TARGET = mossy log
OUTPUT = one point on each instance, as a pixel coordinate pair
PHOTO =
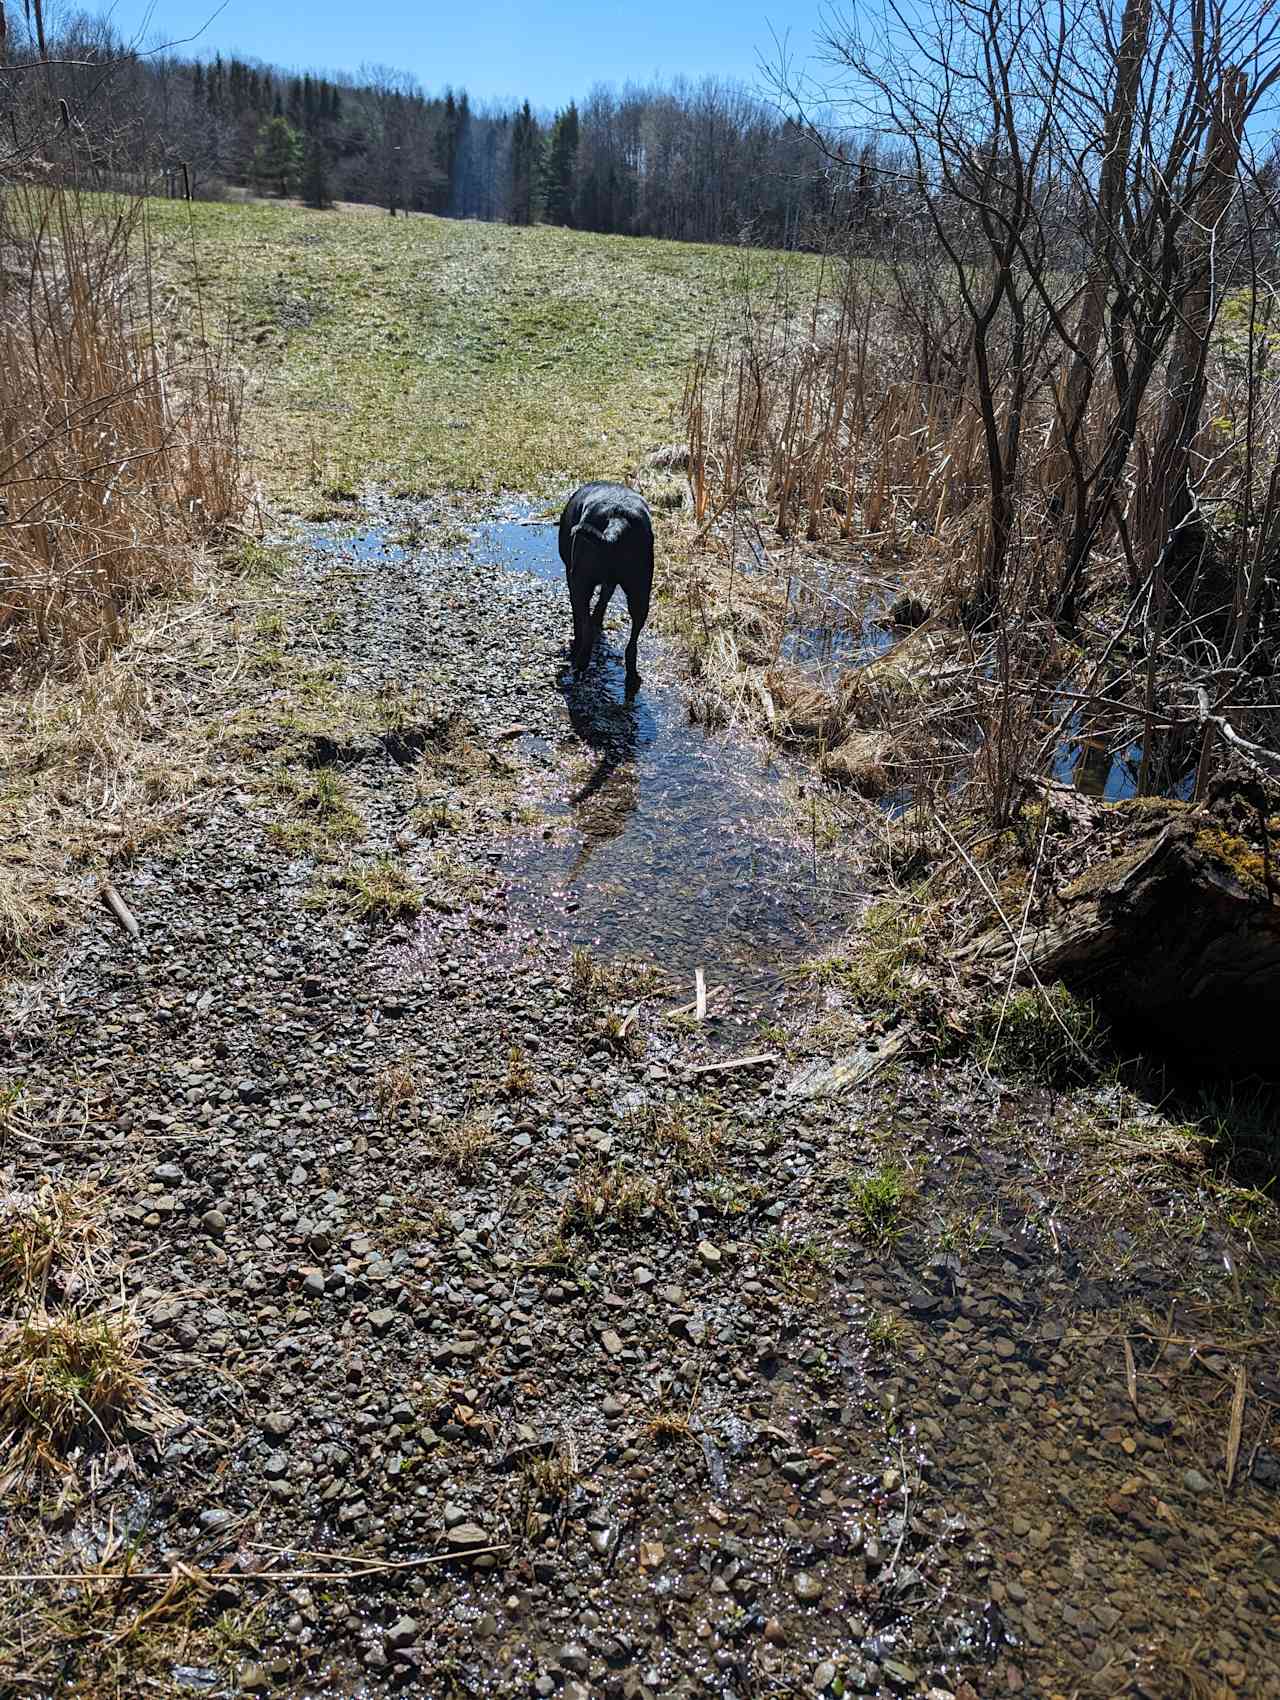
(1176, 933)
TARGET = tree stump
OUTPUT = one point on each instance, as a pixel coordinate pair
(1175, 933)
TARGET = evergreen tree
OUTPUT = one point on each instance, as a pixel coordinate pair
(526, 159)
(315, 174)
(278, 153)
(560, 172)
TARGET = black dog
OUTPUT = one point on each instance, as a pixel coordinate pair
(606, 540)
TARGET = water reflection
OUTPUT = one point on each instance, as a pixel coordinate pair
(610, 730)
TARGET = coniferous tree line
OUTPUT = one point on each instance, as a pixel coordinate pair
(699, 161)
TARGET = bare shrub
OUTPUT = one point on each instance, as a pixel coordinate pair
(1044, 390)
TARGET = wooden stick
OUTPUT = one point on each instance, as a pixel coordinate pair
(689, 1008)
(1131, 1375)
(120, 909)
(1236, 1424)
(757, 1061)
(700, 990)
(363, 1567)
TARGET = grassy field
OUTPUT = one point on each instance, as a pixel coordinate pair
(427, 353)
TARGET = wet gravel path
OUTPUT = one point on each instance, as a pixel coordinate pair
(610, 1334)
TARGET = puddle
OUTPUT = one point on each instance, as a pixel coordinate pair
(372, 545)
(1093, 768)
(827, 633)
(677, 844)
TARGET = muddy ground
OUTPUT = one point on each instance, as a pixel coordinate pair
(611, 1376)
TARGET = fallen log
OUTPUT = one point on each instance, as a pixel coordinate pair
(1173, 931)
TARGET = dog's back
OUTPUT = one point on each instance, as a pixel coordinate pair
(617, 517)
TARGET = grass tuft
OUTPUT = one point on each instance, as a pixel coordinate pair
(610, 1198)
(396, 1089)
(65, 1381)
(520, 1081)
(1048, 1035)
(798, 1264)
(374, 891)
(46, 1234)
(879, 1202)
(884, 970)
(465, 1148)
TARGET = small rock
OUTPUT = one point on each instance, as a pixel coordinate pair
(824, 1675)
(403, 1632)
(213, 1222)
(313, 1285)
(806, 1588)
(612, 1342)
(572, 1657)
(381, 1320)
(774, 1633)
(1194, 1482)
(453, 1515)
(277, 1424)
(711, 1255)
(463, 1536)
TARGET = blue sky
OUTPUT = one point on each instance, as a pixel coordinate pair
(547, 50)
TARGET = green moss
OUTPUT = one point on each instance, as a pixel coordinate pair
(1168, 806)
(1233, 853)
(1103, 874)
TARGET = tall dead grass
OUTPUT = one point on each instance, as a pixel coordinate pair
(120, 456)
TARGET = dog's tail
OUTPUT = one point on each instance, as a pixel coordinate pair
(613, 529)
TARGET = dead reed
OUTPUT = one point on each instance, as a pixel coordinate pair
(120, 451)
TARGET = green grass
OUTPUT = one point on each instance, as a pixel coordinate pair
(1047, 1035)
(325, 816)
(883, 970)
(879, 1202)
(431, 353)
(797, 1263)
(375, 891)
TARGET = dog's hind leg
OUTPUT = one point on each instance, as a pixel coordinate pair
(580, 588)
(638, 608)
(602, 604)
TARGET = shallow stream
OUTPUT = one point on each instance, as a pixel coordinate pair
(685, 847)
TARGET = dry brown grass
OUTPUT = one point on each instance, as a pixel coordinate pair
(65, 1380)
(119, 457)
(824, 421)
(520, 1080)
(397, 1090)
(611, 1198)
(48, 1235)
(465, 1148)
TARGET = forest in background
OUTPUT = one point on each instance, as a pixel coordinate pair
(702, 161)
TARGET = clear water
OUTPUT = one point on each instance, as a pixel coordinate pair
(679, 845)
